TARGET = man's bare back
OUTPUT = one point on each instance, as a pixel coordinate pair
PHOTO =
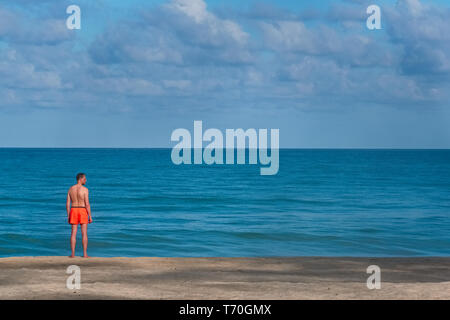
(78, 194)
(79, 212)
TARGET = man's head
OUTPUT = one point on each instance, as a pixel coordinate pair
(81, 178)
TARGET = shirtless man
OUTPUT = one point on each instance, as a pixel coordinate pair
(79, 212)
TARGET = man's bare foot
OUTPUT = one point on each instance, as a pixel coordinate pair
(72, 256)
(86, 256)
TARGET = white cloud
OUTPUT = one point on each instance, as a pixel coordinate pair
(214, 29)
(195, 9)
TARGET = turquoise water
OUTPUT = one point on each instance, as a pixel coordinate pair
(321, 203)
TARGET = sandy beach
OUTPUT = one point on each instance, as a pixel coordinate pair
(224, 278)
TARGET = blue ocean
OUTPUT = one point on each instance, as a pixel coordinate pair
(321, 203)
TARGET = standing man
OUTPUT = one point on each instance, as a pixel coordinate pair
(79, 212)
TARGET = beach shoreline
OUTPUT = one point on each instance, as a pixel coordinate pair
(278, 278)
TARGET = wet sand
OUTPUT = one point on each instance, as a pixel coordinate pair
(224, 278)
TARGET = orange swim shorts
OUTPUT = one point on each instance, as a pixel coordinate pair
(78, 215)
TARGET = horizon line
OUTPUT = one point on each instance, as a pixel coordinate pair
(284, 148)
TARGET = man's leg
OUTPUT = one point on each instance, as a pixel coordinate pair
(73, 239)
(85, 239)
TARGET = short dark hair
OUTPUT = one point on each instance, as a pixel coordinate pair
(80, 176)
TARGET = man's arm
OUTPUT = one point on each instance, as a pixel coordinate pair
(68, 204)
(88, 205)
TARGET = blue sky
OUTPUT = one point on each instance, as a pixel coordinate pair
(137, 70)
